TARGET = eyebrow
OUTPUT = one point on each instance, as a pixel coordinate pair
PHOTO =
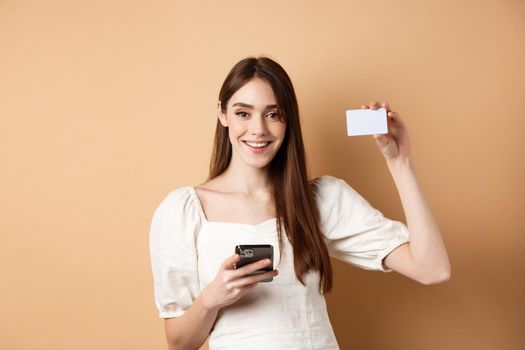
(245, 105)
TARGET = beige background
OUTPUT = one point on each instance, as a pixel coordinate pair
(106, 106)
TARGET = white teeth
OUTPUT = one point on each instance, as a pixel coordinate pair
(257, 145)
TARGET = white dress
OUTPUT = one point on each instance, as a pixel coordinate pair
(187, 250)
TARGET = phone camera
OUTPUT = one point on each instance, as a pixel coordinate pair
(246, 253)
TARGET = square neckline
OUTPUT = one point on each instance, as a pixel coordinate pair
(200, 209)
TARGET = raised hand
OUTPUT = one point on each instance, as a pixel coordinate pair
(395, 144)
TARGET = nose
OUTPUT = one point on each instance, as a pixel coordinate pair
(258, 125)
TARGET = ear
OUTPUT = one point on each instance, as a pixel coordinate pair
(222, 116)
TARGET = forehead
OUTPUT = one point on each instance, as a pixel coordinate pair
(256, 92)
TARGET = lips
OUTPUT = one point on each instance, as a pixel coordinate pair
(257, 147)
(256, 144)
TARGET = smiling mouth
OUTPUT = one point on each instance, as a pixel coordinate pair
(257, 147)
(257, 144)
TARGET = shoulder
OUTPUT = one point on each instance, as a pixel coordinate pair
(177, 195)
(175, 217)
(328, 185)
(330, 191)
(178, 201)
(326, 181)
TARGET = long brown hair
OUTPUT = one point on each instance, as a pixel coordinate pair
(292, 193)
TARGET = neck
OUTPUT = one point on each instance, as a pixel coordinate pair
(245, 179)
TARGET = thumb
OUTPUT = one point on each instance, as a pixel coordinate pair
(381, 139)
(229, 263)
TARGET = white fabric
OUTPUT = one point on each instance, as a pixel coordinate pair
(187, 250)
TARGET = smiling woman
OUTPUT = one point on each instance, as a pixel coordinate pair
(258, 192)
(253, 122)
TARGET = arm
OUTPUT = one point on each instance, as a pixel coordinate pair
(424, 258)
(190, 330)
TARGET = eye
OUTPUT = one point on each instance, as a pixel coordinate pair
(274, 115)
(241, 114)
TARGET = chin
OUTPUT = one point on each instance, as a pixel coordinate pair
(258, 165)
(255, 161)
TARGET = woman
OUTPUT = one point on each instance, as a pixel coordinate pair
(258, 192)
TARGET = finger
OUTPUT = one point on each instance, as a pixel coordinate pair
(254, 279)
(250, 286)
(364, 107)
(386, 105)
(380, 137)
(250, 268)
(374, 105)
(393, 115)
(229, 263)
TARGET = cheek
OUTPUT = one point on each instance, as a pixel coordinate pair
(235, 131)
(279, 130)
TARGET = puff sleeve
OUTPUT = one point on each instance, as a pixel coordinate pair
(173, 253)
(354, 231)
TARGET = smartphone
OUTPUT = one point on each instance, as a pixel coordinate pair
(254, 252)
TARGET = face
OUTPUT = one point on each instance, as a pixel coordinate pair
(255, 128)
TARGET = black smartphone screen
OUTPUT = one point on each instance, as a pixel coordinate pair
(254, 252)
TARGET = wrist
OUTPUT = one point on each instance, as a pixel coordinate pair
(398, 163)
(207, 301)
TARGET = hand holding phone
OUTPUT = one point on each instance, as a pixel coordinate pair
(237, 276)
(254, 252)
